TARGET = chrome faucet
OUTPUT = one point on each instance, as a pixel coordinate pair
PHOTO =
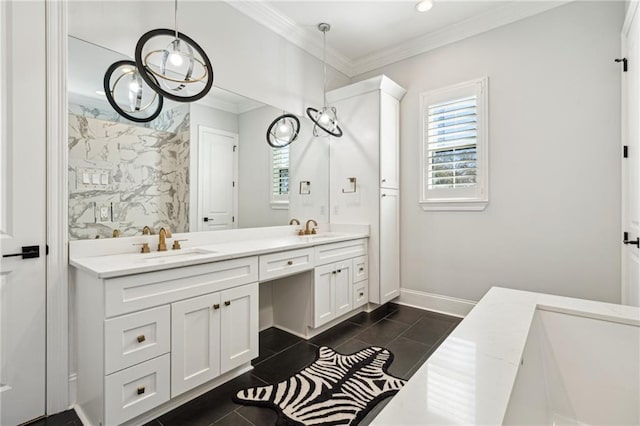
(308, 231)
(162, 236)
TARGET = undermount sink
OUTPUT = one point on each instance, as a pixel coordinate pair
(173, 255)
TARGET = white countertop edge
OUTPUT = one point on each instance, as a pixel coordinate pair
(115, 265)
(492, 338)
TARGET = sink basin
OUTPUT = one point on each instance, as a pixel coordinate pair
(174, 255)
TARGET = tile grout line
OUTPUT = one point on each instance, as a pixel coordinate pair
(240, 414)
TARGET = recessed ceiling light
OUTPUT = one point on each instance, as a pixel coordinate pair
(100, 92)
(424, 5)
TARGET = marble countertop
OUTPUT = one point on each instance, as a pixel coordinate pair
(469, 378)
(197, 250)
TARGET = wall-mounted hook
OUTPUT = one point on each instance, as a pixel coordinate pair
(352, 182)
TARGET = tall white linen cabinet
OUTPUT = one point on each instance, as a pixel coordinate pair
(364, 176)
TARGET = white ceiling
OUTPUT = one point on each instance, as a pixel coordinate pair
(366, 35)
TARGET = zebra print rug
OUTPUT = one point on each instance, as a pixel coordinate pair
(335, 389)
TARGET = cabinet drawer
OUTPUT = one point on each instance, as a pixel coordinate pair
(360, 294)
(131, 392)
(360, 268)
(142, 291)
(285, 263)
(131, 339)
(334, 252)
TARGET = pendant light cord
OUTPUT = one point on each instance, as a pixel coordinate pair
(324, 62)
(175, 17)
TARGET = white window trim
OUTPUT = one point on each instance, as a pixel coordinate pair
(460, 199)
(276, 203)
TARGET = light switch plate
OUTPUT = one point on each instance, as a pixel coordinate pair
(103, 212)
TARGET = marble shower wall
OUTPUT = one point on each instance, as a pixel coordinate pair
(125, 176)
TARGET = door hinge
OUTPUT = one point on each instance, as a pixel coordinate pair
(233, 184)
(234, 148)
(624, 63)
(46, 250)
(625, 236)
(233, 219)
(625, 151)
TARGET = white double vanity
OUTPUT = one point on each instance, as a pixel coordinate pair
(156, 329)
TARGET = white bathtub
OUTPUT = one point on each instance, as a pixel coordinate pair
(529, 358)
(577, 370)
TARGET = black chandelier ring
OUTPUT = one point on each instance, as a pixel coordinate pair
(109, 93)
(149, 72)
(271, 130)
(312, 113)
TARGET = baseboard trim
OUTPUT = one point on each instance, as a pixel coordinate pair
(435, 302)
(73, 388)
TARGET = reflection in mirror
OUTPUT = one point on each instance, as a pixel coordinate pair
(196, 167)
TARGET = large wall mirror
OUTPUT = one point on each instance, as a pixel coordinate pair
(196, 167)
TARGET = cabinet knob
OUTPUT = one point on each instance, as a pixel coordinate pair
(216, 306)
(384, 180)
(361, 294)
(289, 262)
(333, 272)
(141, 338)
(339, 270)
(140, 390)
(227, 302)
(361, 269)
(384, 195)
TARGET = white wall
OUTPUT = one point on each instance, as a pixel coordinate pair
(247, 58)
(254, 171)
(553, 220)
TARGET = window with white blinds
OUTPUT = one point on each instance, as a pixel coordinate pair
(280, 177)
(454, 147)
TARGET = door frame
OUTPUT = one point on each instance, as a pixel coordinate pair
(195, 173)
(631, 15)
(57, 264)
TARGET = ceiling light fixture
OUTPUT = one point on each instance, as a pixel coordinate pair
(283, 130)
(128, 94)
(325, 118)
(424, 5)
(179, 63)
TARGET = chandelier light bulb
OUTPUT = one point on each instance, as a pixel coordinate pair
(134, 86)
(176, 59)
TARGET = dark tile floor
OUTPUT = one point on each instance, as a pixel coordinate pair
(411, 334)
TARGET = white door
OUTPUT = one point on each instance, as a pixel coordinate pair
(217, 179)
(343, 290)
(239, 326)
(22, 211)
(389, 146)
(631, 164)
(195, 342)
(389, 245)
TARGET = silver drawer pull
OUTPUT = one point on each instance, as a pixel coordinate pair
(216, 306)
(141, 338)
(227, 303)
(289, 262)
(140, 390)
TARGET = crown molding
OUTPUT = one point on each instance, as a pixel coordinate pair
(504, 15)
(308, 40)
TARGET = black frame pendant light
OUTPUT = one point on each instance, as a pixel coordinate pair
(175, 65)
(122, 79)
(283, 130)
(326, 118)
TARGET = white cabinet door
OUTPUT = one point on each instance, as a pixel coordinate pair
(389, 245)
(389, 141)
(195, 342)
(239, 326)
(323, 300)
(343, 292)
